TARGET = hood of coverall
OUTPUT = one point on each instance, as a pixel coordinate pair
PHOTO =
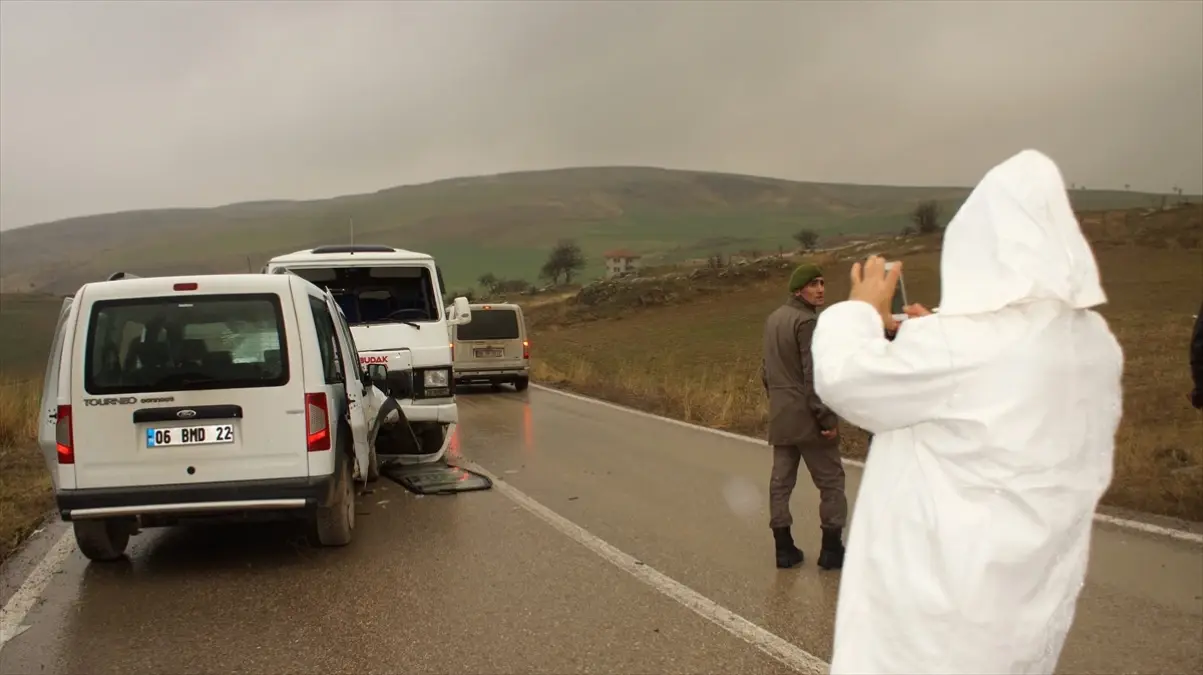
(1016, 240)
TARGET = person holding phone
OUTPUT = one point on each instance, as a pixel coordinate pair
(994, 436)
(801, 428)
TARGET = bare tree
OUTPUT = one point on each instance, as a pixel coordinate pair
(807, 239)
(564, 260)
(487, 281)
(926, 217)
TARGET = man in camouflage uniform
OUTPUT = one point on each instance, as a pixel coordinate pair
(801, 428)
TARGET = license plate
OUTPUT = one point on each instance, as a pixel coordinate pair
(487, 353)
(202, 435)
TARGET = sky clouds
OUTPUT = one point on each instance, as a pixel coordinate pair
(113, 106)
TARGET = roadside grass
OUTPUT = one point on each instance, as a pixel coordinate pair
(697, 361)
(27, 323)
(25, 488)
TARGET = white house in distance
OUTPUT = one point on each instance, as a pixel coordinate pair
(621, 261)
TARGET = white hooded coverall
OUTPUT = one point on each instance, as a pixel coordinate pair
(994, 430)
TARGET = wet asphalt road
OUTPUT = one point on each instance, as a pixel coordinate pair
(475, 583)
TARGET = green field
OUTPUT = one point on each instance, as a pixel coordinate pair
(502, 224)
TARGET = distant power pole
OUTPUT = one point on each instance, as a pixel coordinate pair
(351, 222)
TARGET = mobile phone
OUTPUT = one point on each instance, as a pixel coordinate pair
(899, 302)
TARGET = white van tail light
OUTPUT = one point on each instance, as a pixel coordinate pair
(317, 422)
(526, 349)
(64, 435)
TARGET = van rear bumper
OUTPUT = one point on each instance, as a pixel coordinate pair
(492, 374)
(282, 494)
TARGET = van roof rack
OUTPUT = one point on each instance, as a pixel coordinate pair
(354, 248)
(122, 275)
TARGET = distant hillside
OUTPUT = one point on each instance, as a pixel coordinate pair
(502, 224)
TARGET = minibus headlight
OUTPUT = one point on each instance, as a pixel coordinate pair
(435, 378)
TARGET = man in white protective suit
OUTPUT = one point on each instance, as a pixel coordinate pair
(994, 430)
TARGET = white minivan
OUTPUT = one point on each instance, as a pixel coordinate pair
(393, 301)
(210, 396)
(494, 348)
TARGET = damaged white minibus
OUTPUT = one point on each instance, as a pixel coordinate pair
(393, 301)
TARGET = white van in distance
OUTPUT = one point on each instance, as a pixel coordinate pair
(204, 396)
(494, 348)
(393, 301)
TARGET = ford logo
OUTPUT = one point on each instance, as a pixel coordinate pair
(186, 414)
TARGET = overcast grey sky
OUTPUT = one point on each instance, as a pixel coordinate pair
(114, 106)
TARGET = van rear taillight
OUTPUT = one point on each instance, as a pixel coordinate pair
(526, 349)
(317, 422)
(452, 346)
(64, 435)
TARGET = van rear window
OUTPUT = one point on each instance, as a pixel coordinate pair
(182, 343)
(490, 324)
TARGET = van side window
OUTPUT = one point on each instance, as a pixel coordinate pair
(324, 323)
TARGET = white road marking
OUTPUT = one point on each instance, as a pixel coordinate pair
(1148, 528)
(12, 616)
(772, 644)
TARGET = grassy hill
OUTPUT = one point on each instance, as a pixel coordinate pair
(502, 224)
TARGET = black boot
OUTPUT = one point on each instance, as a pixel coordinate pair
(788, 555)
(831, 557)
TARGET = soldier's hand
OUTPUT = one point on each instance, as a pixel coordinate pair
(829, 433)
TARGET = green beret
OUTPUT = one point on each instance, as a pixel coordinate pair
(804, 274)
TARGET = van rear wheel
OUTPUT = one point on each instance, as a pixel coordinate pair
(103, 540)
(521, 384)
(333, 525)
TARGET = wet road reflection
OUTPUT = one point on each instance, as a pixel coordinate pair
(694, 505)
(473, 583)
